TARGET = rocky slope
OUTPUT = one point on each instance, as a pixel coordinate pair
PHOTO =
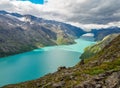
(94, 49)
(100, 71)
(20, 33)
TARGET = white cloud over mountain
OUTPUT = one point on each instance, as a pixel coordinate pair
(84, 13)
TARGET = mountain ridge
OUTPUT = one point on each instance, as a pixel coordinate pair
(99, 34)
(18, 36)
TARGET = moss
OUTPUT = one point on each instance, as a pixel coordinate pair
(94, 71)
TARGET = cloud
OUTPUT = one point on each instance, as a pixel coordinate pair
(88, 27)
(96, 11)
(83, 13)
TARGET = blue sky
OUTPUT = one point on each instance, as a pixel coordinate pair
(36, 1)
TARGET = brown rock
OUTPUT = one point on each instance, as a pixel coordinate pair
(61, 68)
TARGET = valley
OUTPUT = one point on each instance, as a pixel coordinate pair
(39, 62)
(101, 70)
(43, 53)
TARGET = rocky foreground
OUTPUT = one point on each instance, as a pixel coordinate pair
(100, 71)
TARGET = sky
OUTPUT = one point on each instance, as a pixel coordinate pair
(86, 14)
(35, 1)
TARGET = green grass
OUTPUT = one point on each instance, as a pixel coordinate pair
(106, 66)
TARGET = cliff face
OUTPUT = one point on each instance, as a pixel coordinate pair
(100, 71)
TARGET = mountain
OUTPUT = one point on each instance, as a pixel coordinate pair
(88, 37)
(20, 33)
(94, 49)
(100, 71)
(99, 34)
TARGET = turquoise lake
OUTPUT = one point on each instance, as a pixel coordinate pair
(39, 62)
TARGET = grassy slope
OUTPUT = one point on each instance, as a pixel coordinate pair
(106, 60)
(94, 49)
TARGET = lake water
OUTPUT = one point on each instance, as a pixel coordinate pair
(39, 62)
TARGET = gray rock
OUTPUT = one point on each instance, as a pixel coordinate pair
(58, 85)
(113, 81)
(109, 79)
